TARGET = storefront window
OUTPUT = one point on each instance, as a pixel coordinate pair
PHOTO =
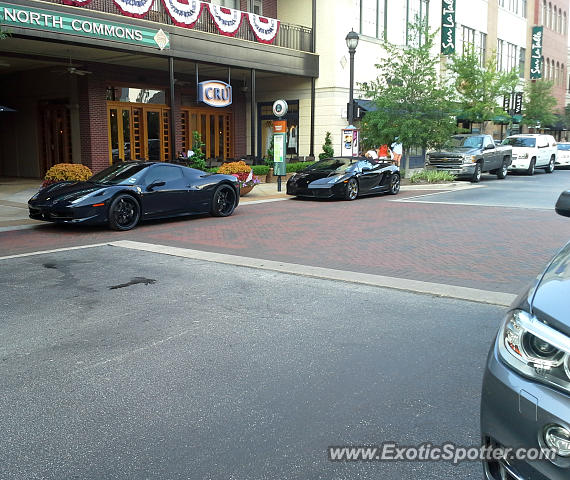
(136, 95)
(265, 127)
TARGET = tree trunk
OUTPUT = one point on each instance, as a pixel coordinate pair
(487, 127)
(406, 157)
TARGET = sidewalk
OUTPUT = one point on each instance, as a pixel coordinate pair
(15, 192)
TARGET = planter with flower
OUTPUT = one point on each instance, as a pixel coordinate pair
(244, 174)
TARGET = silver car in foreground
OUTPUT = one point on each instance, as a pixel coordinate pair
(525, 400)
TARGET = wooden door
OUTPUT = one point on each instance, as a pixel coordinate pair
(55, 136)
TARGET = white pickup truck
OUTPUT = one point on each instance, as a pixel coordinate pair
(531, 151)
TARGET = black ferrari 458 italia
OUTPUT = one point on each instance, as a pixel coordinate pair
(126, 193)
(345, 177)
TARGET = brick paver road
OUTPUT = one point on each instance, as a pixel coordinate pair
(492, 248)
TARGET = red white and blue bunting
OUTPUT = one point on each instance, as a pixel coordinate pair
(265, 29)
(184, 13)
(77, 3)
(134, 8)
(227, 20)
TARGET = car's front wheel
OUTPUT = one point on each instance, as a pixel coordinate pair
(351, 191)
(530, 170)
(395, 184)
(124, 213)
(224, 201)
(476, 178)
(550, 167)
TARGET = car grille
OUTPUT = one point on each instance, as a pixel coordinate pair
(499, 469)
(50, 215)
(445, 162)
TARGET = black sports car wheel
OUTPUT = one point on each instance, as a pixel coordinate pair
(351, 191)
(124, 213)
(395, 184)
(224, 201)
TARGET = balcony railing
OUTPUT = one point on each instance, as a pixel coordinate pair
(291, 36)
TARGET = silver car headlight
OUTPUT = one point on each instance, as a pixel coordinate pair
(535, 349)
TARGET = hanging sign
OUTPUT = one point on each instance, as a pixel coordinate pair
(518, 103)
(448, 25)
(65, 23)
(264, 29)
(215, 93)
(134, 8)
(227, 20)
(183, 13)
(536, 53)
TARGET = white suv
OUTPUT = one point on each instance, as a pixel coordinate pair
(531, 151)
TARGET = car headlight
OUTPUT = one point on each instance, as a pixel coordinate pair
(535, 349)
(469, 159)
(522, 155)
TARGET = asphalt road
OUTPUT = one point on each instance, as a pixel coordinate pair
(119, 364)
(517, 191)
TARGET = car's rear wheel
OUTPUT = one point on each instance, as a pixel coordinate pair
(476, 178)
(530, 169)
(550, 167)
(502, 172)
(395, 184)
(224, 201)
(351, 191)
(124, 213)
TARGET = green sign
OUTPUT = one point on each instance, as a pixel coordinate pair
(47, 20)
(279, 140)
(536, 53)
(448, 25)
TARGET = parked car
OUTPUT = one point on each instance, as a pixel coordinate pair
(128, 192)
(468, 156)
(563, 154)
(345, 177)
(525, 400)
(532, 151)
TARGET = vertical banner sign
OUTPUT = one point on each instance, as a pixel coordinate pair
(350, 142)
(506, 103)
(448, 27)
(536, 54)
(279, 167)
(518, 103)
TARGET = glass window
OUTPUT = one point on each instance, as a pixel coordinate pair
(369, 17)
(136, 95)
(500, 55)
(163, 173)
(522, 61)
(468, 40)
(523, 8)
(255, 6)
(520, 141)
(120, 174)
(481, 48)
(512, 58)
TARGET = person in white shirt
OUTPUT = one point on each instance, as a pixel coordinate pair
(397, 151)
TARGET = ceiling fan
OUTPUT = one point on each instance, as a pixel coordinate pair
(73, 69)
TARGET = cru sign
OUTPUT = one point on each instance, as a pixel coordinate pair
(215, 93)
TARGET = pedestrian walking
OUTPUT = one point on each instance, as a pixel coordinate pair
(397, 151)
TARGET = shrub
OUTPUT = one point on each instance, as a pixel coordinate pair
(260, 169)
(212, 170)
(198, 160)
(297, 166)
(328, 150)
(67, 172)
(234, 167)
(431, 176)
(269, 160)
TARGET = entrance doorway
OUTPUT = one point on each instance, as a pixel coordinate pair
(215, 128)
(55, 135)
(138, 132)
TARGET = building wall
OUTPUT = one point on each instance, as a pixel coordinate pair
(298, 13)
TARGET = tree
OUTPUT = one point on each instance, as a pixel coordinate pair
(538, 107)
(328, 150)
(479, 86)
(413, 103)
(198, 159)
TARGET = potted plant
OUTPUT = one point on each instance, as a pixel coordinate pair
(243, 172)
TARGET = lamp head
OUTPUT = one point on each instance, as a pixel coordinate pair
(352, 40)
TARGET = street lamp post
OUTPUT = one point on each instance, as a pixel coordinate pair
(351, 43)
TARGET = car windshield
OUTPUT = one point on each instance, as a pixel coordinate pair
(520, 141)
(465, 142)
(336, 164)
(564, 146)
(120, 174)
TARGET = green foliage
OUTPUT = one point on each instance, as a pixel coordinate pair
(212, 170)
(539, 104)
(198, 160)
(478, 86)
(260, 169)
(328, 150)
(413, 103)
(3, 34)
(269, 160)
(431, 176)
(297, 166)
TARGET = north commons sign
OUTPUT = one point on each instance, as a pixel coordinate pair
(46, 20)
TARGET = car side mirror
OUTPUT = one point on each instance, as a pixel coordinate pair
(366, 169)
(153, 185)
(489, 147)
(563, 204)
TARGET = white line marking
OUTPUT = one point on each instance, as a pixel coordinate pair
(42, 252)
(255, 202)
(500, 205)
(415, 286)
